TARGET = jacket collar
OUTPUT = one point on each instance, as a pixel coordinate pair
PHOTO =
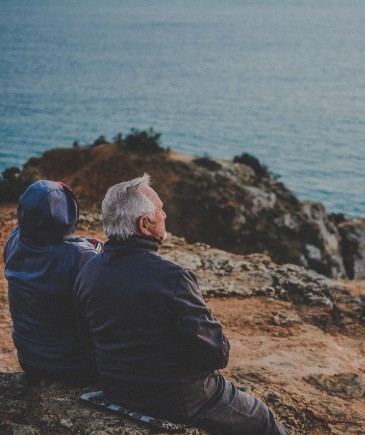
(135, 243)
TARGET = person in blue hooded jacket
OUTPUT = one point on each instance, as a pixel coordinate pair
(42, 258)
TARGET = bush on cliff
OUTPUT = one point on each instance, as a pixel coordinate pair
(13, 183)
(251, 161)
(207, 163)
(99, 141)
(140, 141)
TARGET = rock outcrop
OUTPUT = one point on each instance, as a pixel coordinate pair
(222, 274)
(228, 205)
(52, 408)
(353, 247)
(296, 344)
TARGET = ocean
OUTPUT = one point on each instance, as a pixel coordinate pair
(283, 80)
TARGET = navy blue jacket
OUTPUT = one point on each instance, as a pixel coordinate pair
(157, 343)
(41, 269)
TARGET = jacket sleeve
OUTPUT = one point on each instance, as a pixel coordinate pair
(201, 333)
(9, 241)
(86, 250)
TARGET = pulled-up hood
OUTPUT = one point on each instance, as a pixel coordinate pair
(47, 212)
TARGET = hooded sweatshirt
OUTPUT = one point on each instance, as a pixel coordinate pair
(42, 259)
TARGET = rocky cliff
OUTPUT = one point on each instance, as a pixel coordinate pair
(236, 206)
(352, 234)
(51, 408)
(296, 338)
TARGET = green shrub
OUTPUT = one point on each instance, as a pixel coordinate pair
(100, 141)
(12, 184)
(144, 141)
(208, 163)
(251, 161)
(118, 139)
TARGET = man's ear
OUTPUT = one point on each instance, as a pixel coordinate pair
(142, 225)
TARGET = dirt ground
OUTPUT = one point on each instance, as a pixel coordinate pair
(275, 355)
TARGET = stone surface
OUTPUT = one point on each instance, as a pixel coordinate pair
(286, 325)
(345, 385)
(52, 408)
(353, 247)
(222, 203)
(250, 275)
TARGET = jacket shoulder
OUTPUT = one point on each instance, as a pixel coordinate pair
(172, 265)
(79, 244)
(79, 249)
(174, 271)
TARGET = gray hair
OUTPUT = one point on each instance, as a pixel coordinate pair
(123, 204)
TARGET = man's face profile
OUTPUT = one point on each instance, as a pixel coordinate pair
(155, 229)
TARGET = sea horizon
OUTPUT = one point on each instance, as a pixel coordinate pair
(281, 80)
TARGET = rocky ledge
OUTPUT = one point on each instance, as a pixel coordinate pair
(238, 205)
(296, 337)
(53, 408)
(222, 274)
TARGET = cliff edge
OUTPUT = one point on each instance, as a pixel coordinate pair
(238, 205)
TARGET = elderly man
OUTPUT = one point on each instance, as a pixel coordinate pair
(158, 346)
(42, 258)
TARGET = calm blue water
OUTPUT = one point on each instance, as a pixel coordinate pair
(281, 79)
